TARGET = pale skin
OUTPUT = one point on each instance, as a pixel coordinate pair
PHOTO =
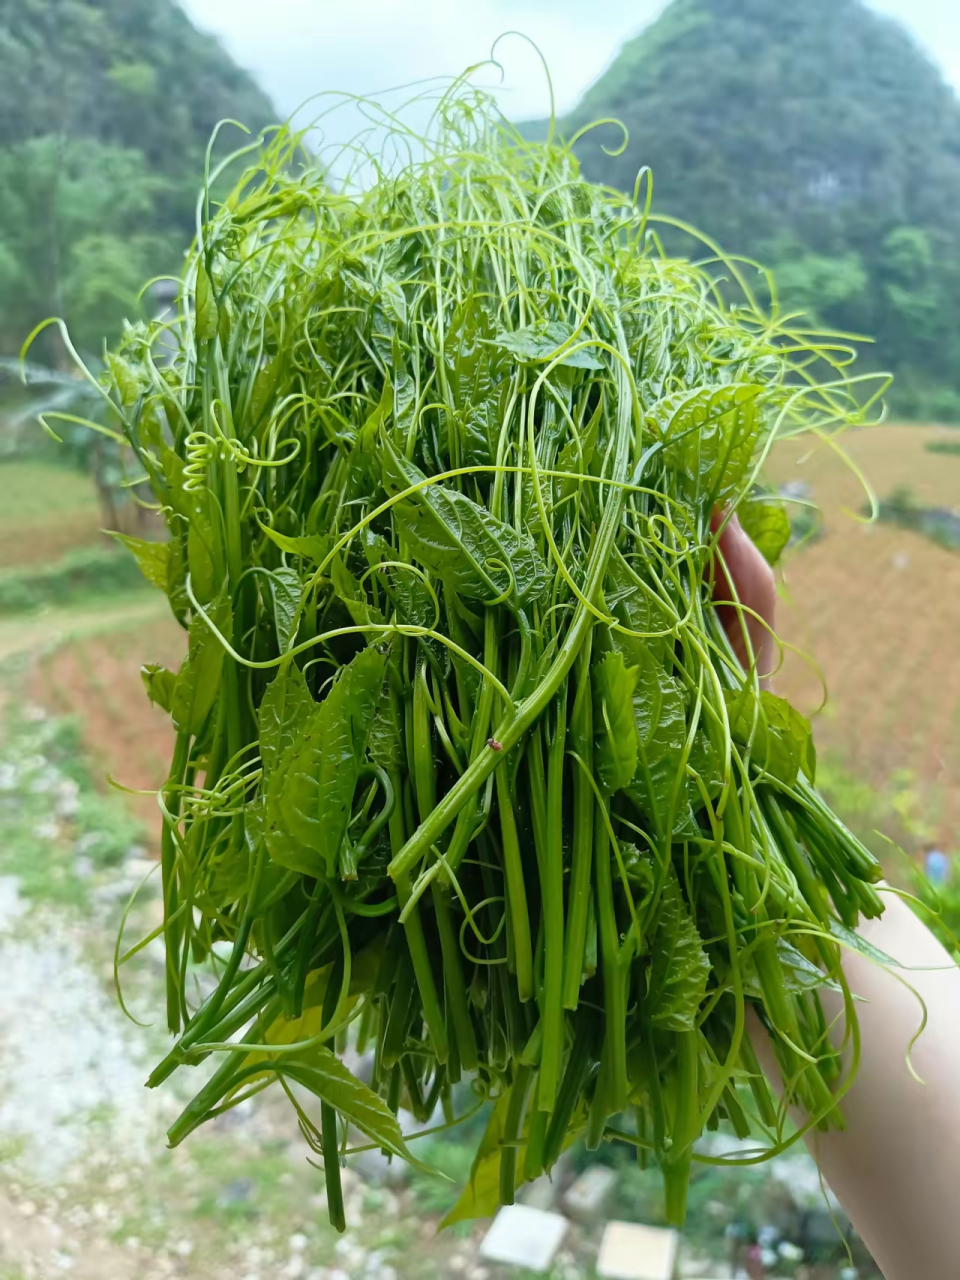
(896, 1166)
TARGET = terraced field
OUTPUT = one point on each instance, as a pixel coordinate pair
(878, 608)
(45, 512)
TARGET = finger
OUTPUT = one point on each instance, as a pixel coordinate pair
(742, 575)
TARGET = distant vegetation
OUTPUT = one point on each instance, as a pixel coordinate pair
(106, 108)
(817, 138)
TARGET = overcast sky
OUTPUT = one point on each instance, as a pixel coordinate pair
(297, 47)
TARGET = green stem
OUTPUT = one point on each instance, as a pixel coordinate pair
(516, 890)
(512, 1129)
(454, 986)
(516, 722)
(331, 1167)
(581, 856)
(551, 890)
(614, 996)
(172, 928)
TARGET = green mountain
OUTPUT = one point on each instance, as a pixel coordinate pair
(106, 109)
(817, 138)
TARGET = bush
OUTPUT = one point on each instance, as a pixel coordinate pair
(92, 572)
(105, 828)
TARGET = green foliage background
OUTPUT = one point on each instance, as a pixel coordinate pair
(106, 108)
(817, 138)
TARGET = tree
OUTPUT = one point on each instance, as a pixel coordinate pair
(106, 109)
(816, 137)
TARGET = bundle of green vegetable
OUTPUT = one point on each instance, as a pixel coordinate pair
(465, 764)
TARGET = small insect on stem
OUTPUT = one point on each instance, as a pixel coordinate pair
(494, 745)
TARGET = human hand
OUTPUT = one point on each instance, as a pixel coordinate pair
(742, 575)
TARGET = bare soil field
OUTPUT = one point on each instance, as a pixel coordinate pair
(46, 512)
(878, 608)
(97, 679)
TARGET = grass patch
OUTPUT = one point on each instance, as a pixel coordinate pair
(47, 511)
(51, 814)
(41, 491)
(95, 571)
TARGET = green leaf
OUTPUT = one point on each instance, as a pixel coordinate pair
(310, 793)
(637, 609)
(200, 548)
(206, 307)
(576, 455)
(779, 737)
(476, 372)
(404, 403)
(705, 760)
(152, 558)
(285, 708)
(480, 1198)
(351, 594)
(325, 1076)
(854, 941)
(125, 379)
(768, 525)
(638, 866)
(286, 591)
(799, 973)
(539, 343)
(710, 437)
(386, 733)
(176, 584)
(661, 733)
(264, 387)
(679, 967)
(370, 431)
(454, 537)
(312, 546)
(159, 684)
(198, 681)
(615, 729)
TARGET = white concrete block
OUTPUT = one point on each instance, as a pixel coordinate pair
(524, 1237)
(630, 1251)
(584, 1199)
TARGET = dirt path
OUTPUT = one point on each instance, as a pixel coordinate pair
(35, 632)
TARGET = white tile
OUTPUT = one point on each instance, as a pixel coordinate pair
(585, 1198)
(630, 1251)
(524, 1237)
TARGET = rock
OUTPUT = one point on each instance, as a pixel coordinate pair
(630, 1251)
(541, 1193)
(239, 1191)
(522, 1237)
(297, 1242)
(376, 1168)
(585, 1198)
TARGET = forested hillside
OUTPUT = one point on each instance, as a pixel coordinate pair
(818, 138)
(106, 108)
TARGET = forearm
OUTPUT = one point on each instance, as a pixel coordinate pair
(896, 1167)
